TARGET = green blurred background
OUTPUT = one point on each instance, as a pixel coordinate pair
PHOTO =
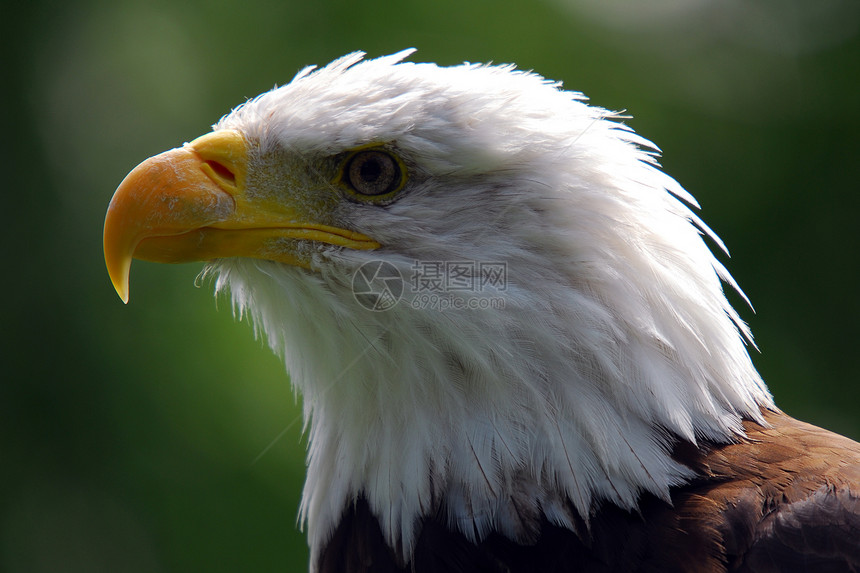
(161, 436)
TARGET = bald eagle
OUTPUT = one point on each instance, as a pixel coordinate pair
(511, 337)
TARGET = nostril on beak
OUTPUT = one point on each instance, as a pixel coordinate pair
(221, 171)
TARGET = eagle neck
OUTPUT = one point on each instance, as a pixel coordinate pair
(494, 420)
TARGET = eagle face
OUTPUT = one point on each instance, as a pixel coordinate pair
(611, 344)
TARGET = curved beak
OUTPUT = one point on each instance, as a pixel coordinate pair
(190, 204)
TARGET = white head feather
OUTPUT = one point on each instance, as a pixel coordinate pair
(615, 338)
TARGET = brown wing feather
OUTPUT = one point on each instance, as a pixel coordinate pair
(785, 499)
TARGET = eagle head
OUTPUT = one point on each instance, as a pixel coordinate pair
(496, 306)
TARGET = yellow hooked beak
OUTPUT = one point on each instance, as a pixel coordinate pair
(190, 204)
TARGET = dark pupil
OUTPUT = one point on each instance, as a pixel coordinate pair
(370, 169)
(372, 173)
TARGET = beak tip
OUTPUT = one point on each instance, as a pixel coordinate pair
(118, 270)
(121, 287)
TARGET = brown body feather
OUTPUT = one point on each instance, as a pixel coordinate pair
(785, 499)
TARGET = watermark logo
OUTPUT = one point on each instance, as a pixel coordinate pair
(377, 285)
(441, 285)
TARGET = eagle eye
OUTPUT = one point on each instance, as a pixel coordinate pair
(373, 172)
